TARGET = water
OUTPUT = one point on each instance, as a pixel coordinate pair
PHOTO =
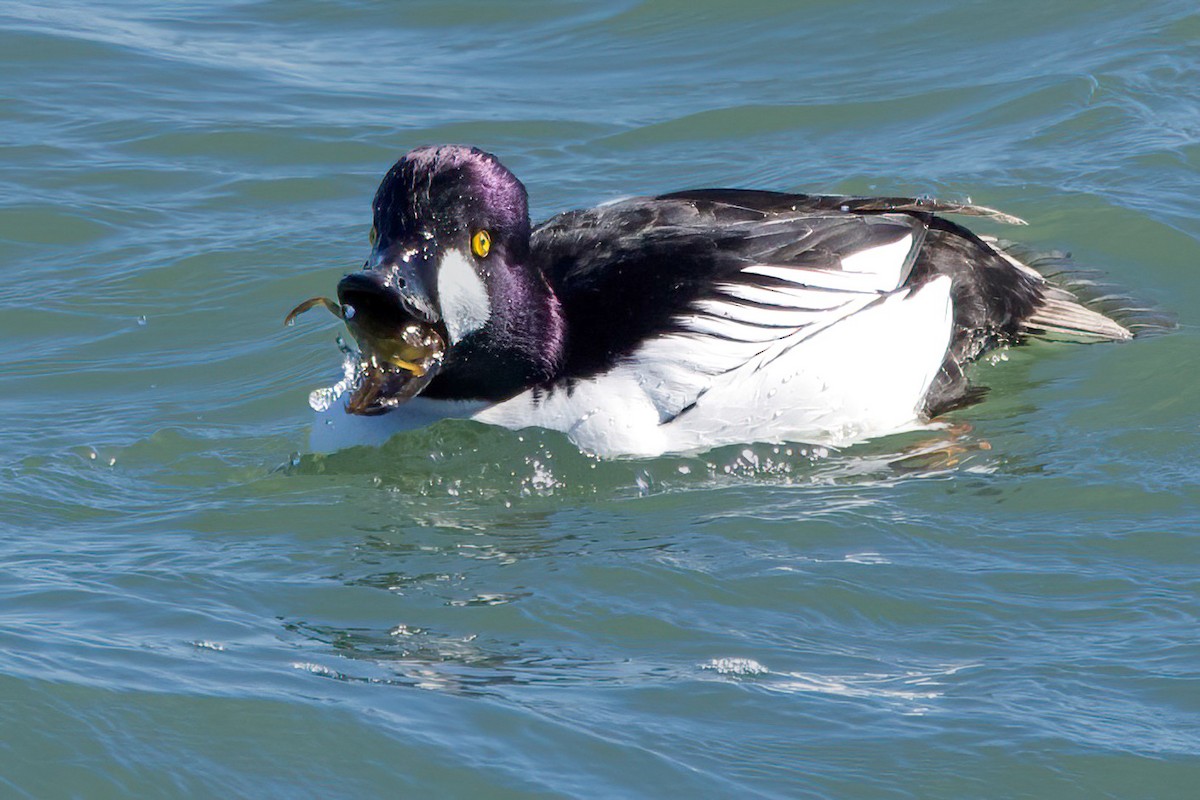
(190, 606)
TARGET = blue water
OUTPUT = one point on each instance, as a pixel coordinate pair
(191, 605)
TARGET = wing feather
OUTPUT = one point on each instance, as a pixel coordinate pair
(684, 292)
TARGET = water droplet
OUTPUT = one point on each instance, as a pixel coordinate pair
(347, 311)
(141, 321)
(322, 399)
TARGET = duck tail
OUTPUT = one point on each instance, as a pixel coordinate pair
(1061, 316)
(1078, 305)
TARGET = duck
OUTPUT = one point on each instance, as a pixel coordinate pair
(673, 323)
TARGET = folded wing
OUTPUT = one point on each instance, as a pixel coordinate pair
(684, 292)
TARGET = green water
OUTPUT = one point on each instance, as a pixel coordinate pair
(192, 606)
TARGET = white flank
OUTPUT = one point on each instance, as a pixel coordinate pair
(858, 370)
(462, 295)
(609, 415)
(859, 376)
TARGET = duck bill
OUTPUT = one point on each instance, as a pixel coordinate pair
(401, 278)
(401, 339)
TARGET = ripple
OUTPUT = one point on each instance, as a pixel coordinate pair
(187, 598)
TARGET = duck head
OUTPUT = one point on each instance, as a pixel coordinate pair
(446, 304)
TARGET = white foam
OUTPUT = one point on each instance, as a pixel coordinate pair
(735, 666)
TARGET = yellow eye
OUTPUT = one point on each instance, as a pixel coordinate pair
(481, 243)
(373, 236)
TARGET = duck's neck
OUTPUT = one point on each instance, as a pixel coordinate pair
(520, 346)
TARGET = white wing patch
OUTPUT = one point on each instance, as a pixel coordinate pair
(462, 295)
(886, 263)
(748, 324)
(882, 268)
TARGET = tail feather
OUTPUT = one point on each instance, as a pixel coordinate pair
(1078, 305)
(1061, 316)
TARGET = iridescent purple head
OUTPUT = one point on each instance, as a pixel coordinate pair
(451, 188)
(450, 252)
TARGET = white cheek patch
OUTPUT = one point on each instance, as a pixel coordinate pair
(463, 296)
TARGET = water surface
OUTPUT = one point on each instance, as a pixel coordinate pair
(192, 606)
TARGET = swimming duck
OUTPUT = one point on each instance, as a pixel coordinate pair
(673, 323)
